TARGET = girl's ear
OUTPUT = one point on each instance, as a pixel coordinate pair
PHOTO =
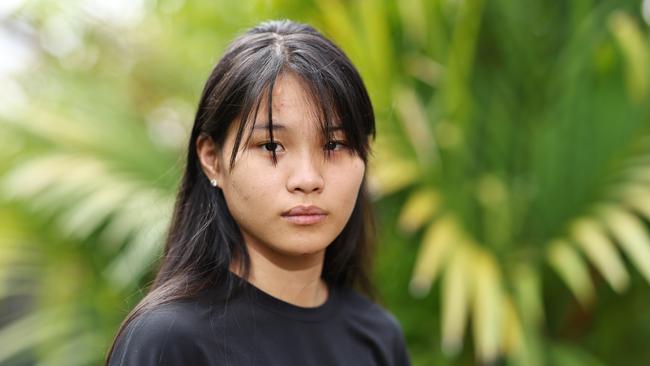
(210, 157)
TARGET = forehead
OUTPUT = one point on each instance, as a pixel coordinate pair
(290, 91)
(294, 107)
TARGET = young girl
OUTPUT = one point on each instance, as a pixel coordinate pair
(267, 257)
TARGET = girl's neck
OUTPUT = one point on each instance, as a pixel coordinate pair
(293, 279)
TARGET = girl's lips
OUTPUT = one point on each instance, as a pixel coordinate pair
(305, 219)
(305, 210)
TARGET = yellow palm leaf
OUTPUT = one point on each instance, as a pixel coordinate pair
(635, 52)
(415, 121)
(390, 176)
(589, 235)
(414, 19)
(424, 69)
(572, 269)
(456, 287)
(631, 235)
(418, 209)
(439, 239)
(637, 196)
(512, 329)
(488, 302)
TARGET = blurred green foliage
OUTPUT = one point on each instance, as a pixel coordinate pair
(511, 170)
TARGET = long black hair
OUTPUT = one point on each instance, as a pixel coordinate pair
(203, 238)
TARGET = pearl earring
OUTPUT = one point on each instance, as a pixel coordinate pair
(213, 182)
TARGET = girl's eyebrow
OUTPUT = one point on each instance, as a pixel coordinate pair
(266, 126)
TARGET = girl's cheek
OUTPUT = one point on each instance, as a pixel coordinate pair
(257, 187)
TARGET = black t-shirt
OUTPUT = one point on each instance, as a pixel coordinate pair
(255, 328)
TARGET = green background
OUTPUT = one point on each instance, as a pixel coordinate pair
(511, 173)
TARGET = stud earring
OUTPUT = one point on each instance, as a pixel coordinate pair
(213, 182)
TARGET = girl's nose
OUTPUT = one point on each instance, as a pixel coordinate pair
(306, 175)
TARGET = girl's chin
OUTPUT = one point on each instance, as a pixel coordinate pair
(300, 250)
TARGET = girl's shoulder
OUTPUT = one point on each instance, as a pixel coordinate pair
(167, 333)
(373, 321)
(358, 308)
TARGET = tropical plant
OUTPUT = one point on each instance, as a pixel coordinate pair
(528, 132)
(512, 154)
(520, 140)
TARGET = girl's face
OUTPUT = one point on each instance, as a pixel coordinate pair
(259, 194)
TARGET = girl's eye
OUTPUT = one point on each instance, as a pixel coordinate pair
(332, 145)
(270, 146)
